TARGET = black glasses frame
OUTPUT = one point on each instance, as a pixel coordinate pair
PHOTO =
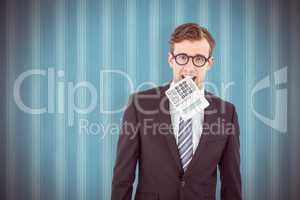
(193, 57)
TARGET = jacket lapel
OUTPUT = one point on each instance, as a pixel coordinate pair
(209, 117)
(165, 117)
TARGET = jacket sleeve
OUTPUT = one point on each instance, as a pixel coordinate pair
(231, 187)
(127, 155)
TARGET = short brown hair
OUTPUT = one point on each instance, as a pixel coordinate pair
(192, 32)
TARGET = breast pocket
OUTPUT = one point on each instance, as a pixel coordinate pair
(146, 196)
(213, 139)
(215, 146)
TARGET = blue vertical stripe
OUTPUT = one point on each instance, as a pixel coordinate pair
(131, 32)
(225, 48)
(249, 66)
(82, 73)
(105, 99)
(178, 12)
(60, 153)
(294, 96)
(275, 147)
(10, 108)
(203, 13)
(36, 91)
(154, 40)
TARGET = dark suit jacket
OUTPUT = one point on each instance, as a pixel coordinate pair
(146, 138)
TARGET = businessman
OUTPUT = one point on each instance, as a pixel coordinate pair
(178, 159)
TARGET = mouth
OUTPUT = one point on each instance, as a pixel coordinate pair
(185, 76)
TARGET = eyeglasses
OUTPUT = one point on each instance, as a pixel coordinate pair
(183, 59)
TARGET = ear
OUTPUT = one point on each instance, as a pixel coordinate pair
(170, 59)
(211, 62)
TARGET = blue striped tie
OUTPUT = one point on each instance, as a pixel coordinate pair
(185, 142)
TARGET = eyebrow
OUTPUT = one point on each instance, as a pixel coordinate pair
(191, 55)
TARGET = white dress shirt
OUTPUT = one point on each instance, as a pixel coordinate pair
(197, 123)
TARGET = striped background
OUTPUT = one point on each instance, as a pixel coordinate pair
(45, 156)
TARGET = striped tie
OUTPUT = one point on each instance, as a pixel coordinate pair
(185, 142)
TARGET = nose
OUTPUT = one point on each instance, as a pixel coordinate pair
(189, 67)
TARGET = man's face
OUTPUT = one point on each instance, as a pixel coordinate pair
(191, 48)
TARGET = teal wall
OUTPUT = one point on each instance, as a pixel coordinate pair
(98, 46)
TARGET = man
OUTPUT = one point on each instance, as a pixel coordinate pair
(178, 159)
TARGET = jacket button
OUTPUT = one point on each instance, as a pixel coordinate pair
(182, 183)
